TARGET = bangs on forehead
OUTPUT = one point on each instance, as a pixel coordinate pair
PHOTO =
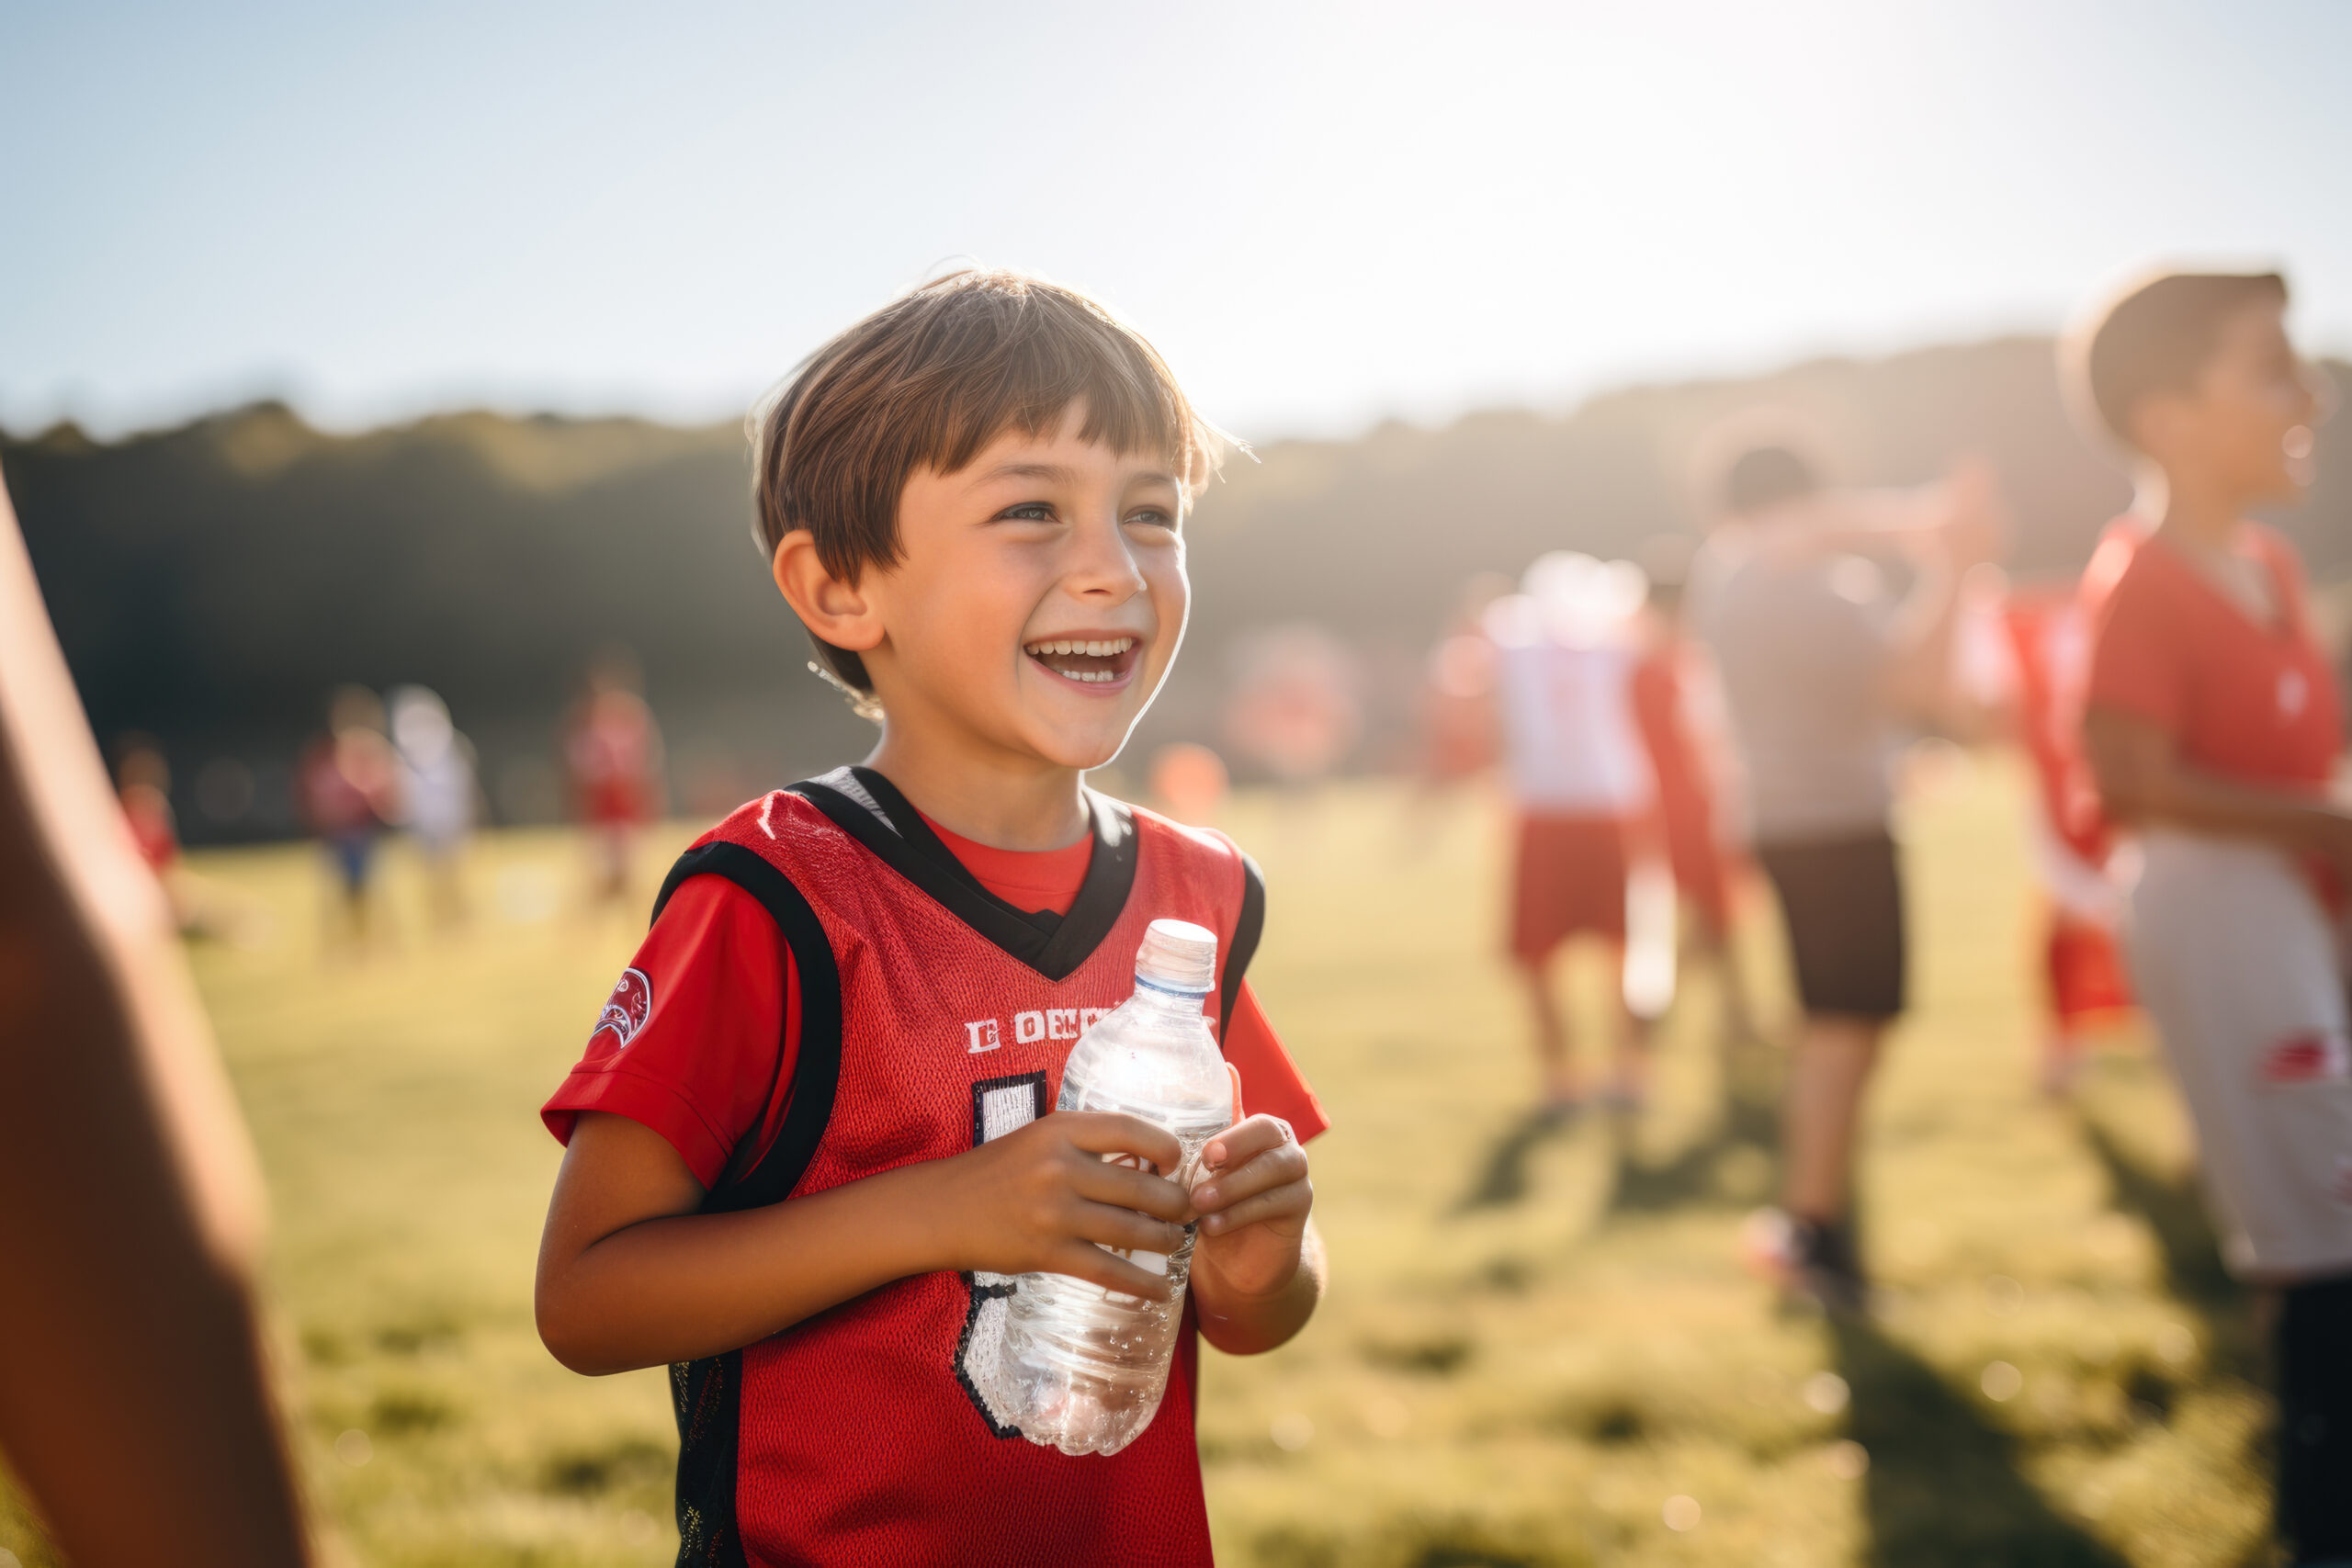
(1028, 374)
(928, 381)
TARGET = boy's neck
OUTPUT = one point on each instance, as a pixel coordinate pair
(990, 796)
(2195, 510)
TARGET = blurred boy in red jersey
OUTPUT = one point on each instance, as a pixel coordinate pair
(612, 749)
(2213, 726)
(808, 1143)
(2048, 649)
(1663, 684)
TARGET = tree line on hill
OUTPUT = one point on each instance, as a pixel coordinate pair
(212, 583)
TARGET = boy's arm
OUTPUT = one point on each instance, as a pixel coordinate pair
(630, 1275)
(2141, 779)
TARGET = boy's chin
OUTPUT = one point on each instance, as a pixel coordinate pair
(1092, 747)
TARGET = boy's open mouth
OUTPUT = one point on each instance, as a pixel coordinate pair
(1090, 661)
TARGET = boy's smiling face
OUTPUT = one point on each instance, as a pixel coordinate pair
(1037, 601)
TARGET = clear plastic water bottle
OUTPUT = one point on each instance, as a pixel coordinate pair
(1082, 1368)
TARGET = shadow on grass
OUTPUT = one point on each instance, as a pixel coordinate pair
(1943, 1490)
(1697, 1175)
(1750, 1120)
(2194, 1273)
(1502, 1180)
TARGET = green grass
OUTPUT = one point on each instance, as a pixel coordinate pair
(1534, 1339)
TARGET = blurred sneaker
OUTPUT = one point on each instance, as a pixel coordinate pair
(1812, 1262)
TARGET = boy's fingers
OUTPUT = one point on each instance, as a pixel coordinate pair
(1126, 1188)
(1097, 1267)
(1110, 1133)
(1289, 1201)
(1245, 1139)
(1110, 1226)
(1277, 1166)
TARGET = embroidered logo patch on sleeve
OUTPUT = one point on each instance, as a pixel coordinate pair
(626, 1009)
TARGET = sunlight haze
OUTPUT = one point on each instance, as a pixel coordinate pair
(1324, 215)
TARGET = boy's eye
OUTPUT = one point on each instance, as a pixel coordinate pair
(1152, 515)
(1028, 511)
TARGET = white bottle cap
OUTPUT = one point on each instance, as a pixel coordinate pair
(1178, 956)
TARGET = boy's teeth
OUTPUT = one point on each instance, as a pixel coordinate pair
(1103, 648)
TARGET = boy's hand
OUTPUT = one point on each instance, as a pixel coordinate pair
(1037, 1202)
(1253, 1198)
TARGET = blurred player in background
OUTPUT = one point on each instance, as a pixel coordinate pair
(440, 795)
(1665, 683)
(612, 750)
(1460, 735)
(1190, 783)
(135, 1408)
(2213, 725)
(1823, 668)
(1296, 710)
(1584, 794)
(2048, 644)
(347, 788)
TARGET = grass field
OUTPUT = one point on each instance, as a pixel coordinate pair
(1539, 1347)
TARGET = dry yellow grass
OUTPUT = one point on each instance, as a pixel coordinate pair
(1536, 1342)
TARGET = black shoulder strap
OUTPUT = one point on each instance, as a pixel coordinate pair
(1247, 927)
(754, 1180)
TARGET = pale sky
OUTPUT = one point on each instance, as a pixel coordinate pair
(1323, 214)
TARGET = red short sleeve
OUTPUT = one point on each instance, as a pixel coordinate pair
(1271, 1082)
(2137, 650)
(698, 1037)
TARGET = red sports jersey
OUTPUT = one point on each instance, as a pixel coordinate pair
(2247, 702)
(930, 1014)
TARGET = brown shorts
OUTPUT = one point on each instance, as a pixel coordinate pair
(1571, 878)
(1842, 902)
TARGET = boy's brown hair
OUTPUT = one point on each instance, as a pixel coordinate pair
(2154, 337)
(929, 380)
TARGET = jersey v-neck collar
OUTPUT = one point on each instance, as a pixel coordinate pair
(869, 809)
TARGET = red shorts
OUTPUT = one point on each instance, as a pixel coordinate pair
(1571, 878)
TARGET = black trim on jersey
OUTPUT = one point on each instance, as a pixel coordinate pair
(982, 1295)
(706, 1394)
(817, 1067)
(1247, 927)
(1055, 948)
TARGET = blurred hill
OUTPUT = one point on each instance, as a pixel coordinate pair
(212, 583)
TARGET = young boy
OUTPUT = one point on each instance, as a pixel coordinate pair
(809, 1145)
(2212, 726)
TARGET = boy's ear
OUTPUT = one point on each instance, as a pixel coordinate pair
(837, 611)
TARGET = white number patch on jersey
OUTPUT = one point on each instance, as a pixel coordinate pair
(999, 1106)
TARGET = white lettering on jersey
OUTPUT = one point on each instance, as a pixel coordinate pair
(985, 1035)
(1028, 1027)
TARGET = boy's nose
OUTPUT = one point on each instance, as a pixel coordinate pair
(1101, 565)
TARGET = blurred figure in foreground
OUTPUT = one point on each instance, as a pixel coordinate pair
(348, 786)
(612, 749)
(1583, 791)
(134, 1406)
(1823, 668)
(2213, 725)
(439, 795)
(1665, 684)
